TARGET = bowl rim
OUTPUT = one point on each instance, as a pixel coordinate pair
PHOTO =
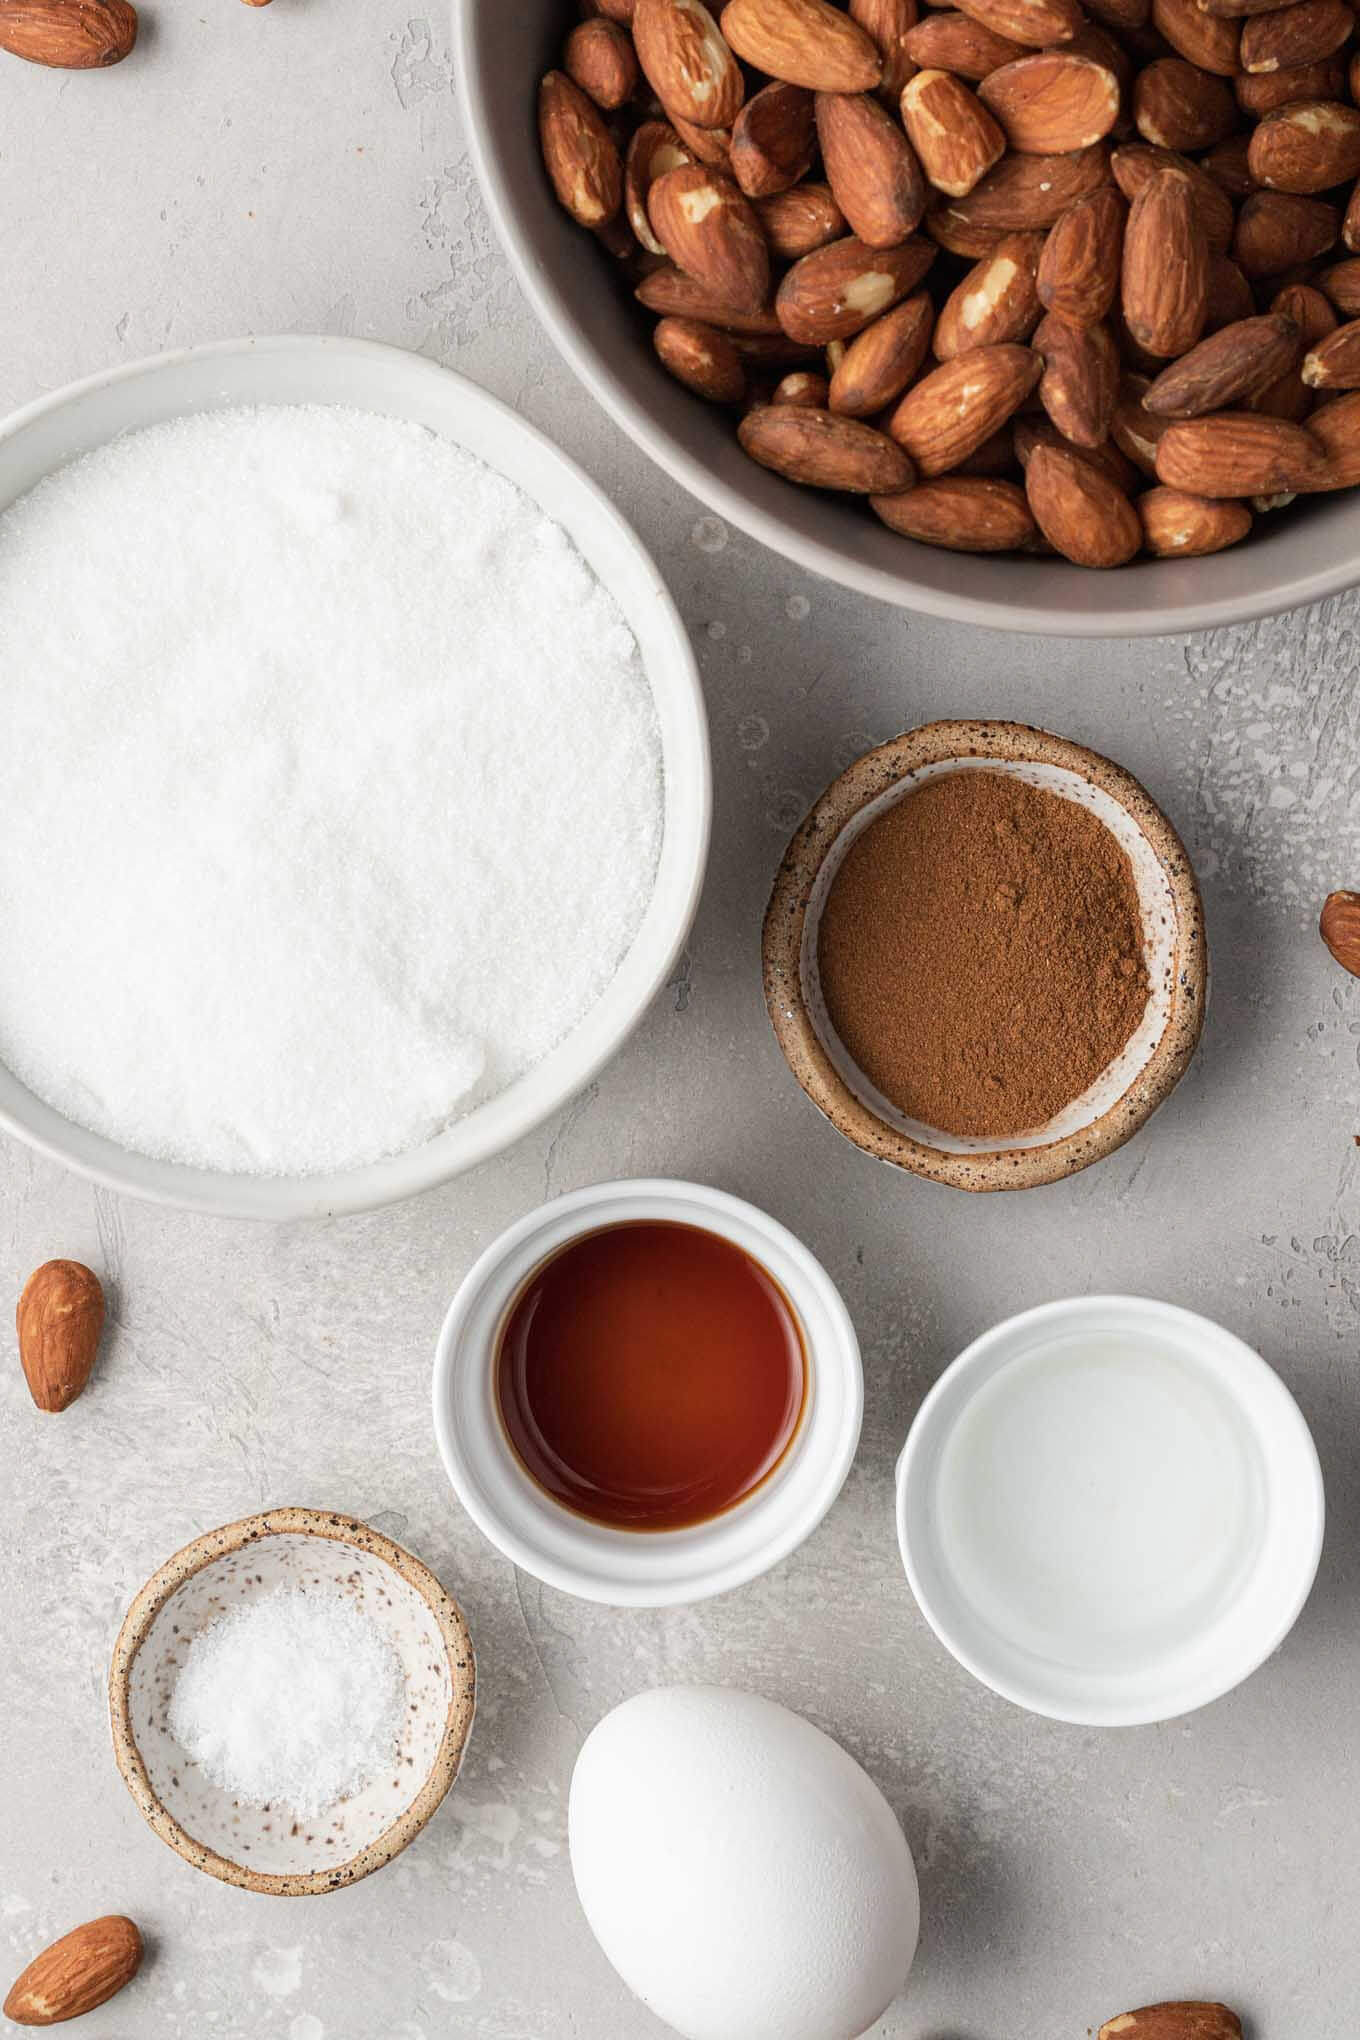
(1254, 1379)
(863, 781)
(1128, 613)
(393, 1178)
(202, 1551)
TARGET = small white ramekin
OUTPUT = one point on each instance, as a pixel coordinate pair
(647, 1569)
(1258, 1604)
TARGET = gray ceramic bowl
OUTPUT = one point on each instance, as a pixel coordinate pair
(1312, 551)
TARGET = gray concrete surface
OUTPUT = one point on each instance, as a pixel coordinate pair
(301, 169)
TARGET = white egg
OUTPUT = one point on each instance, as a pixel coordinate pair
(744, 1875)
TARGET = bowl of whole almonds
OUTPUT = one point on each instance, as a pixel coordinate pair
(1036, 313)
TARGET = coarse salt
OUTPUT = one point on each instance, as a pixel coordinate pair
(330, 788)
(295, 1697)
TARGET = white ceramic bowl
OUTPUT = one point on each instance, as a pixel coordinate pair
(652, 1569)
(500, 54)
(1000, 1562)
(386, 380)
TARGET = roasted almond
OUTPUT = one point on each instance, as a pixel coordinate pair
(1311, 312)
(1261, 92)
(1180, 2021)
(1051, 103)
(687, 63)
(965, 513)
(1335, 427)
(1126, 17)
(838, 290)
(805, 42)
(878, 363)
(1306, 147)
(1341, 283)
(949, 41)
(947, 415)
(1135, 431)
(1164, 279)
(82, 1970)
(1079, 267)
(1225, 165)
(1080, 380)
(711, 145)
(1276, 230)
(1233, 364)
(803, 387)
(1176, 525)
(599, 58)
(1339, 927)
(1079, 510)
(1206, 40)
(1305, 33)
(888, 23)
(1238, 453)
(707, 227)
(797, 222)
(1228, 295)
(68, 35)
(1026, 193)
(951, 131)
(670, 291)
(702, 358)
(578, 152)
(654, 149)
(1035, 23)
(774, 140)
(1029, 430)
(871, 167)
(996, 302)
(1178, 106)
(1334, 363)
(822, 451)
(59, 1320)
(1135, 164)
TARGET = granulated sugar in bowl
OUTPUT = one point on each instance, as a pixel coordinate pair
(331, 788)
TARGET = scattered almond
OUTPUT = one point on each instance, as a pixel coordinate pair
(1174, 2022)
(1339, 927)
(85, 1968)
(59, 1320)
(69, 35)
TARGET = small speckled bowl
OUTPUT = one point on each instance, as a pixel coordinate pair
(1146, 1069)
(265, 1848)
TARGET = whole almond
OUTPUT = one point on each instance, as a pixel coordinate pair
(85, 1968)
(805, 42)
(1029, 431)
(1079, 267)
(599, 58)
(797, 222)
(948, 413)
(1178, 106)
(1232, 365)
(838, 290)
(774, 140)
(1079, 510)
(888, 23)
(871, 167)
(1306, 147)
(1225, 165)
(803, 387)
(1035, 23)
(1341, 284)
(1179, 526)
(1135, 164)
(1261, 92)
(1311, 312)
(1334, 363)
(949, 41)
(1238, 453)
(670, 291)
(1164, 280)
(1208, 41)
(654, 149)
(1335, 428)
(1181, 2021)
(1276, 230)
(880, 362)
(822, 451)
(1228, 295)
(1135, 431)
(702, 358)
(1052, 103)
(579, 152)
(1339, 927)
(709, 230)
(1025, 193)
(996, 302)
(68, 35)
(1305, 33)
(951, 131)
(964, 513)
(59, 1320)
(1080, 381)
(687, 63)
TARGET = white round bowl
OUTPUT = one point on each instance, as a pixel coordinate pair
(651, 1569)
(393, 383)
(1157, 1659)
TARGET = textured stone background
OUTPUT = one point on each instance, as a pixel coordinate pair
(302, 170)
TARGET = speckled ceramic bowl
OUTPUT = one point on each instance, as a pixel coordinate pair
(1140, 1077)
(262, 1848)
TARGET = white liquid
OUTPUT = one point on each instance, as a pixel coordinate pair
(1100, 1501)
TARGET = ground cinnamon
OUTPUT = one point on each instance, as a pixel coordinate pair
(981, 953)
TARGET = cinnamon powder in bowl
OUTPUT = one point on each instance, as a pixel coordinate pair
(984, 955)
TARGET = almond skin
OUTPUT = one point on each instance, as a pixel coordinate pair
(1237, 453)
(709, 230)
(1180, 2021)
(773, 140)
(871, 167)
(59, 1320)
(85, 1968)
(837, 291)
(1178, 526)
(1080, 382)
(822, 451)
(702, 358)
(949, 41)
(1339, 927)
(1052, 103)
(1137, 163)
(948, 414)
(1306, 147)
(686, 61)
(964, 513)
(69, 35)
(951, 131)
(1235, 363)
(1079, 510)
(1164, 281)
(579, 152)
(880, 362)
(805, 42)
(997, 301)
(1079, 266)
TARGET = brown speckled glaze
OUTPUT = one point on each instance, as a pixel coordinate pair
(1179, 985)
(264, 1848)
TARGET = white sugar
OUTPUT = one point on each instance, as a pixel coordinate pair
(330, 788)
(296, 1698)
